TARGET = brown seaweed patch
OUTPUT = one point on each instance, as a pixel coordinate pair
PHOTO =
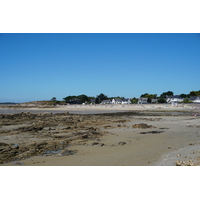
(151, 132)
(142, 125)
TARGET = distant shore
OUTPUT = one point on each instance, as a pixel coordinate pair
(94, 109)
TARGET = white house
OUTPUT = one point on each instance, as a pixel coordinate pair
(126, 101)
(121, 101)
(142, 100)
(195, 99)
(106, 102)
(117, 101)
(174, 99)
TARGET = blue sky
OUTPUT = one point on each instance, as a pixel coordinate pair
(42, 66)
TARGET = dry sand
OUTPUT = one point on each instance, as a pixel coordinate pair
(173, 138)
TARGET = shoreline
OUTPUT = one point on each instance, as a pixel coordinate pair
(94, 109)
(166, 134)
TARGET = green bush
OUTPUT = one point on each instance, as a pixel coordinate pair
(162, 100)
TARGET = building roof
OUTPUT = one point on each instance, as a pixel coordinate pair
(118, 99)
(126, 99)
(106, 101)
(143, 98)
(194, 97)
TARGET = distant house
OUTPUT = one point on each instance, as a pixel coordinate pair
(195, 99)
(126, 101)
(174, 99)
(154, 100)
(142, 100)
(106, 102)
(74, 101)
(92, 101)
(121, 101)
(117, 101)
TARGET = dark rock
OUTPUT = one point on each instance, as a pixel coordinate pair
(95, 143)
(3, 144)
(51, 129)
(14, 151)
(122, 143)
(2, 148)
(92, 129)
(69, 127)
(95, 132)
(7, 149)
(85, 136)
(15, 147)
(153, 132)
(164, 128)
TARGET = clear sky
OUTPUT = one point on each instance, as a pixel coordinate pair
(42, 66)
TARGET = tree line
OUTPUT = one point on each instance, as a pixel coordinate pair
(163, 96)
(80, 99)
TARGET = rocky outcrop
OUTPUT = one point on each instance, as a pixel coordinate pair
(142, 125)
(50, 134)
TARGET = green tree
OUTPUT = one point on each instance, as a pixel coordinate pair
(161, 100)
(195, 93)
(100, 98)
(83, 98)
(145, 95)
(134, 100)
(184, 95)
(91, 99)
(186, 100)
(53, 99)
(97, 101)
(68, 99)
(149, 96)
(164, 94)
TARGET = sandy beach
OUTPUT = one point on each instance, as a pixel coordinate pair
(101, 135)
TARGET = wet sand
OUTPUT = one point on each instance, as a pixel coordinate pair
(137, 150)
(169, 137)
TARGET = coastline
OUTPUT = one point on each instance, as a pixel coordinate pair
(98, 108)
(174, 132)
